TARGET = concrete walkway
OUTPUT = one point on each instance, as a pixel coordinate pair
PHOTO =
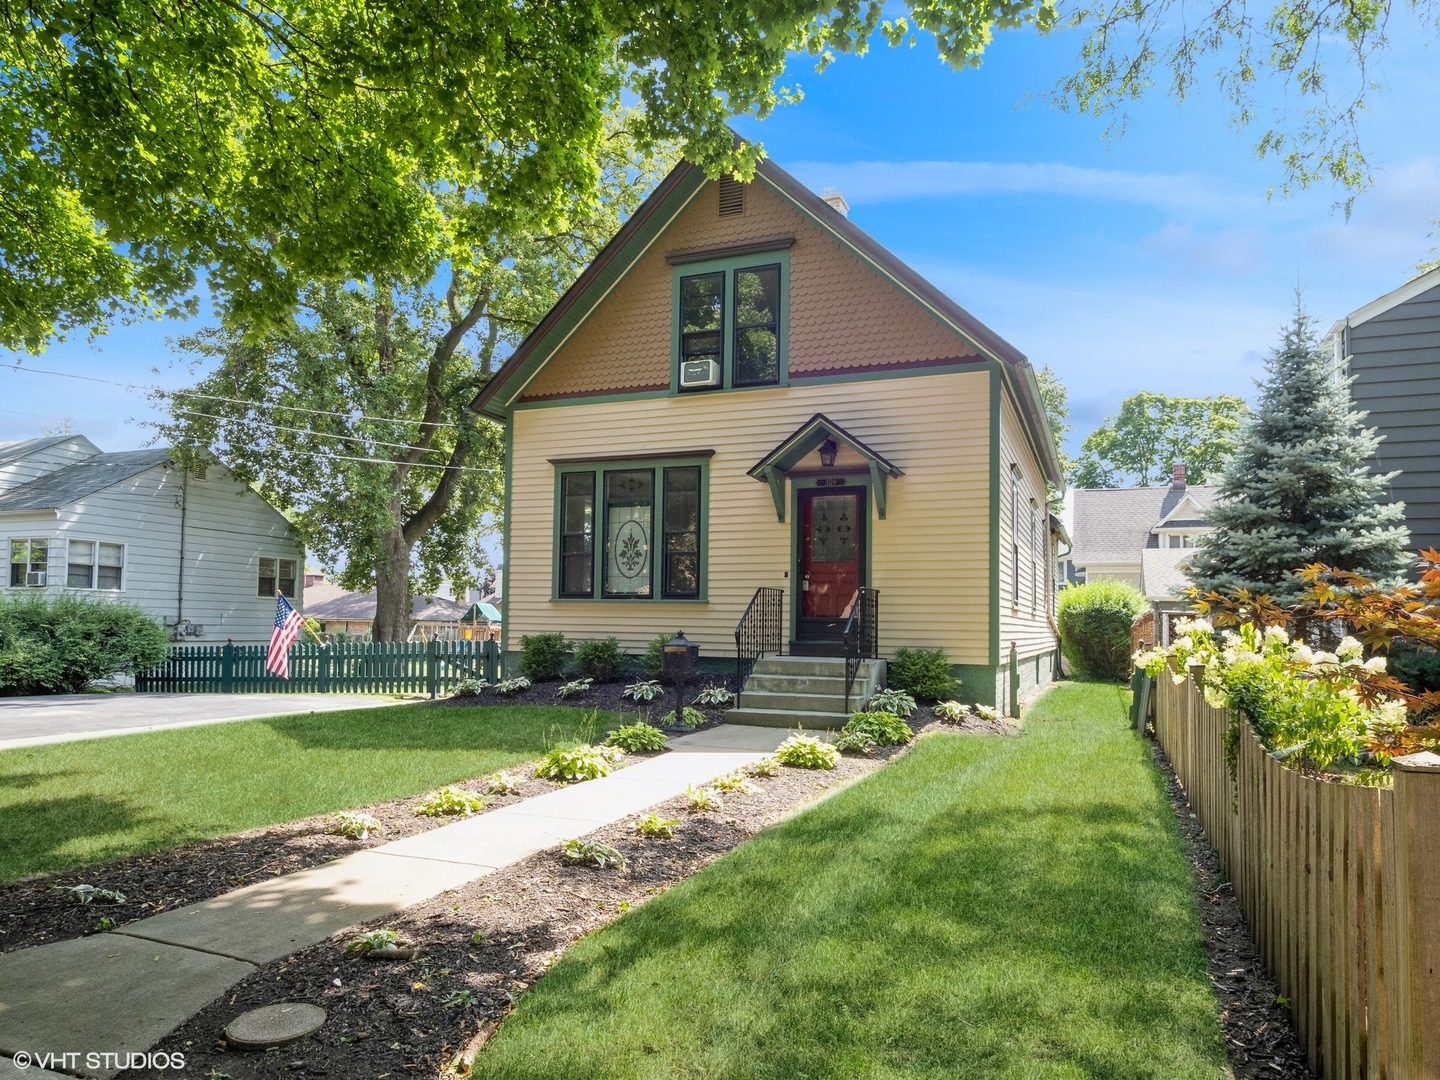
(33, 721)
(123, 991)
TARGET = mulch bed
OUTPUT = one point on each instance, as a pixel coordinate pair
(1260, 1039)
(34, 910)
(607, 696)
(479, 946)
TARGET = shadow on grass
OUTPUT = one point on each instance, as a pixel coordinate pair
(512, 728)
(36, 836)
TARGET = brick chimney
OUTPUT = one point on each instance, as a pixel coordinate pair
(834, 198)
(1177, 482)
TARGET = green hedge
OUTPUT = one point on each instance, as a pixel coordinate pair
(924, 674)
(1095, 620)
(61, 644)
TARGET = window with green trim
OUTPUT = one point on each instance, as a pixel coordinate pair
(730, 315)
(649, 542)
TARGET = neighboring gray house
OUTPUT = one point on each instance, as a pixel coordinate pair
(1140, 535)
(200, 551)
(1391, 348)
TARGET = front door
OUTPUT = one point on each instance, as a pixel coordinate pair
(831, 559)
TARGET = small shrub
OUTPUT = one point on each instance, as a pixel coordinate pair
(884, 728)
(573, 688)
(807, 752)
(372, 941)
(637, 738)
(693, 718)
(601, 661)
(544, 656)
(105, 923)
(512, 686)
(923, 673)
(502, 783)
(651, 658)
(469, 688)
(733, 784)
(61, 644)
(352, 823)
(714, 695)
(951, 711)
(1417, 667)
(1095, 621)
(594, 853)
(765, 767)
(86, 894)
(892, 701)
(446, 801)
(855, 742)
(573, 764)
(988, 712)
(644, 690)
(702, 799)
(656, 827)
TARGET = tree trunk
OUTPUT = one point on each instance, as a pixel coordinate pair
(392, 588)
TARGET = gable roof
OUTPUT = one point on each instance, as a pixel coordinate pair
(1114, 524)
(75, 482)
(644, 228)
(1407, 292)
(342, 606)
(21, 448)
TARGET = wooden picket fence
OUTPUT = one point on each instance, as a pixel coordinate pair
(340, 667)
(1340, 885)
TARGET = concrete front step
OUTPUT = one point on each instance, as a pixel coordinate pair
(775, 699)
(783, 718)
(832, 667)
(834, 685)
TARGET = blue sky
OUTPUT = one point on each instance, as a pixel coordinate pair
(1151, 262)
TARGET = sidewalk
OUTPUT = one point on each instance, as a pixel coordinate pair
(122, 991)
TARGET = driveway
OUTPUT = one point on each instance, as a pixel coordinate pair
(31, 721)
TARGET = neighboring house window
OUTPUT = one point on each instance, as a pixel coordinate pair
(1180, 540)
(93, 565)
(1015, 535)
(730, 315)
(1034, 556)
(28, 562)
(650, 540)
(277, 575)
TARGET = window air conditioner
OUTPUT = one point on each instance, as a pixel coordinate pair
(35, 577)
(695, 374)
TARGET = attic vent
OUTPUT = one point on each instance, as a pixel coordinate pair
(732, 197)
(200, 472)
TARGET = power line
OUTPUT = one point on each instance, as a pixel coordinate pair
(307, 431)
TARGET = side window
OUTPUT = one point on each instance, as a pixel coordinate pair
(682, 533)
(111, 571)
(286, 583)
(1015, 535)
(577, 534)
(1034, 556)
(80, 568)
(276, 575)
(266, 586)
(29, 563)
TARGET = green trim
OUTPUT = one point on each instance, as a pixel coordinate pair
(505, 542)
(978, 683)
(853, 480)
(779, 257)
(597, 554)
(994, 512)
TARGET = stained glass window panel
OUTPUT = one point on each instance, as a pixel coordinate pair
(629, 514)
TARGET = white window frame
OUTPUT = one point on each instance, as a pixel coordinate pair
(277, 560)
(30, 542)
(1034, 556)
(95, 546)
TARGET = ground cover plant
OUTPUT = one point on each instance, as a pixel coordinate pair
(980, 907)
(66, 804)
(868, 729)
(573, 764)
(637, 738)
(449, 801)
(1094, 620)
(806, 752)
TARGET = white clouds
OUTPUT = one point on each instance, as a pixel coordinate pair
(1392, 224)
(893, 181)
(1229, 251)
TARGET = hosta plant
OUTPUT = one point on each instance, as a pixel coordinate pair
(468, 687)
(855, 742)
(894, 702)
(446, 801)
(693, 718)
(572, 764)
(951, 711)
(883, 729)
(807, 752)
(733, 784)
(714, 695)
(573, 688)
(354, 824)
(637, 738)
(765, 767)
(988, 712)
(644, 690)
(702, 799)
(372, 941)
(512, 686)
(87, 894)
(594, 853)
(503, 783)
(655, 827)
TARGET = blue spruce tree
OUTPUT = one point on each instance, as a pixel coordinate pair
(1298, 489)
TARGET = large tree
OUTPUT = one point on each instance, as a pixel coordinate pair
(355, 416)
(1056, 399)
(1151, 433)
(266, 144)
(1299, 489)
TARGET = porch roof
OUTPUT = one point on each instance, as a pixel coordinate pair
(805, 440)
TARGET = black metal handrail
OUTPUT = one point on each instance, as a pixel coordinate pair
(862, 634)
(760, 631)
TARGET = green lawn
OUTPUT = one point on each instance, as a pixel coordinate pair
(71, 803)
(984, 907)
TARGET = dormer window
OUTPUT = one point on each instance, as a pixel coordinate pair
(730, 323)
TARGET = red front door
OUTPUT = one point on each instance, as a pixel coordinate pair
(831, 550)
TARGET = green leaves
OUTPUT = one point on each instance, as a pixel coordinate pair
(1154, 431)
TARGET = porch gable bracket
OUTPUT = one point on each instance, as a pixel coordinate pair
(808, 437)
(776, 480)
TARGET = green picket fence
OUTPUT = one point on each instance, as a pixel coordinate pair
(341, 667)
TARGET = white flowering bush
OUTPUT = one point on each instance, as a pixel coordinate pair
(1304, 704)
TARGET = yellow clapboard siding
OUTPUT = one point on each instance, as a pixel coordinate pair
(1025, 625)
(930, 557)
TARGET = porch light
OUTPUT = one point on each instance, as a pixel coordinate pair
(828, 449)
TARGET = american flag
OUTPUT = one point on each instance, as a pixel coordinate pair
(288, 625)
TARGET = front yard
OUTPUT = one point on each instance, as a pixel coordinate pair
(982, 907)
(68, 804)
